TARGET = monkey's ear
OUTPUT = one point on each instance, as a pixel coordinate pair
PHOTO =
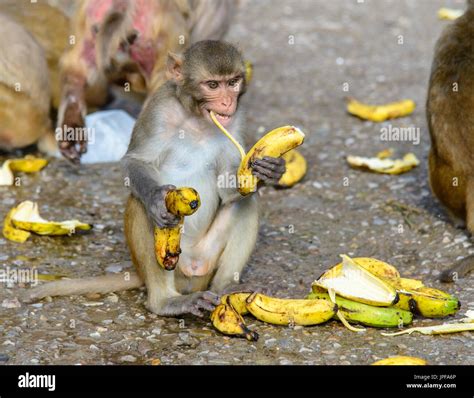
(174, 64)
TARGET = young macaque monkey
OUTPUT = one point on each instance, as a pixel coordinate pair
(451, 124)
(127, 42)
(175, 144)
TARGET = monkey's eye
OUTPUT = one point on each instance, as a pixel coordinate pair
(234, 82)
(212, 85)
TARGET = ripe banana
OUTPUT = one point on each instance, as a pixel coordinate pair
(401, 360)
(295, 169)
(238, 301)
(290, 311)
(367, 315)
(274, 144)
(428, 302)
(380, 113)
(227, 320)
(181, 202)
(248, 71)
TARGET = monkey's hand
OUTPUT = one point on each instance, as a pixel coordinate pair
(73, 139)
(156, 207)
(195, 303)
(268, 169)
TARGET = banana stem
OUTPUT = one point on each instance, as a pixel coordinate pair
(228, 135)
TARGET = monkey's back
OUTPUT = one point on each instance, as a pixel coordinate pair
(450, 102)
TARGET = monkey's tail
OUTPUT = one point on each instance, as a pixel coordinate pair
(72, 287)
(459, 270)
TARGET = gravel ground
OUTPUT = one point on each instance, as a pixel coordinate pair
(334, 210)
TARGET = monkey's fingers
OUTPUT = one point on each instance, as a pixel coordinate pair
(267, 172)
(70, 152)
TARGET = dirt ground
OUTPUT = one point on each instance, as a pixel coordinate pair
(334, 210)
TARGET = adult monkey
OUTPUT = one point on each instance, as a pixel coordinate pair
(449, 113)
(175, 143)
(127, 41)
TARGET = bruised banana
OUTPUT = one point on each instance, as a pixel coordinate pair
(401, 360)
(295, 169)
(238, 301)
(181, 202)
(290, 311)
(380, 113)
(274, 144)
(367, 315)
(12, 233)
(227, 320)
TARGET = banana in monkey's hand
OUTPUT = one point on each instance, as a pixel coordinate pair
(380, 113)
(274, 144)
(25, 218)
(181, 202)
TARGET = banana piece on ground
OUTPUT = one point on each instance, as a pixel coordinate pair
(380, 113)
(181, 202)
(401, 360)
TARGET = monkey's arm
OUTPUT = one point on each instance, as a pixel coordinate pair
(459, 270)
(146, 188)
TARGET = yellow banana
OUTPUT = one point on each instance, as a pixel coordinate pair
(274, 144)
(181, 202)
(29, 164)
(449, 14)
(295, 169)
(228, 321)
(380, 113)
(26, 217)
(401, 360)
(12, 233)
(238, 301)
(290, 311)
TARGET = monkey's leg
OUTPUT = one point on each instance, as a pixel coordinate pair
(163, 298)
(240, 244)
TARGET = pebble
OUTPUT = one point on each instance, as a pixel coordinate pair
(11, 303)
(112, 298)
(95, 335)
(4, 357)
(156, 331)
(128, 358)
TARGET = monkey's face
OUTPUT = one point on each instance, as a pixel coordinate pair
(220, 94)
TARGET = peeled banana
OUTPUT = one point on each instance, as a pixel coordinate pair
(290, 311)
(354, 282)
(181, 202)
(295, 169)
(401, 360)
(368, 315)
(274, 144)
(227, 320)
(380, 113)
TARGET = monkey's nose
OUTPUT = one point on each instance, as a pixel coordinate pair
(194, 204)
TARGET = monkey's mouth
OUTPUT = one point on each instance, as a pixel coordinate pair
(222, 118)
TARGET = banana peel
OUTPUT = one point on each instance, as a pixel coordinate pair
(385, 165)
(354, 282)
(380, 113)
(29, 164)
(444, 328)
(296, 167)
(367, 315)
(25, 218)
(181, 202)
(449, 14)
(401, 360)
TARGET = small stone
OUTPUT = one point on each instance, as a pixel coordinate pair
(156, 331)
(11, 303)
(95, 335)
(34, 360)
(93, 296)
(112, 298)
(4, 357)
(128, 358)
